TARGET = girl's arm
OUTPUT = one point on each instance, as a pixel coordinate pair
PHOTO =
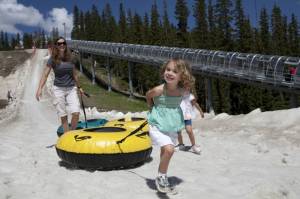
(149, 97)
(195, 103)
(156, 91)
(43, 80)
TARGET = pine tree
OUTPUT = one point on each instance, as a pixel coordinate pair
(224, 29)
(137, 27)
(122, 24)
(54, 34)
(293, 30)
(248, 39)
(285, 45)
(142, 72)
(1, 40)
(256, 48)
(223, 41)
(129, 20)
(111, 25)
(221, 94)
(13, 42)
(239, 94)
(200, 32)
(277, 31)
(94, 26)
(200, 39)
(27, 41)
(264, 32)
(168, 34)
(18, 39)
(181, 14)
(146, 30)
(211, 25)
(76, 24)
(240, 28)
(155, 29)
(43, 39)
(82, 31)
(6, 41)
(87, 26)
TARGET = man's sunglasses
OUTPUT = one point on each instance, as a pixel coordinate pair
(61, 43)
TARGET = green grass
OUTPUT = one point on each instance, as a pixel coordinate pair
(107, 101)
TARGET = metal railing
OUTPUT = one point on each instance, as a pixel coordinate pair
(278, 72)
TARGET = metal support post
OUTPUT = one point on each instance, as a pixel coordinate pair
(108, 73)
(93, 69)
(130, 65)
(209, 106)
(65, 34)
(80, 62)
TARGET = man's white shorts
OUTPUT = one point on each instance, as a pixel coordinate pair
(162, 139)
(66, 97)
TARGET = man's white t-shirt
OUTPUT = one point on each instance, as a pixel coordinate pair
(187, 108)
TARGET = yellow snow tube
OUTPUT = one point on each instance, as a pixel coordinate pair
(118, 144)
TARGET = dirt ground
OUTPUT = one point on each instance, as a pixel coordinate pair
(3, 103)
(9, 62)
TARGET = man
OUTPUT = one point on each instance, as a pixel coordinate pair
(9, 96)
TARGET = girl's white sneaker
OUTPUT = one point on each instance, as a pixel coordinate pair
(196, 149)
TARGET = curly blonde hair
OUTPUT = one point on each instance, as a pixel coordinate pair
(187, 79)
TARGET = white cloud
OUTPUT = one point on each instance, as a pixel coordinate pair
(57, 17)
(13, 13)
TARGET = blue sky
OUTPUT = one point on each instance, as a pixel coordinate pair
(29, 15)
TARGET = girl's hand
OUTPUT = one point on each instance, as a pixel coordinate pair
(81, 91)
(202, 114)
(38, 94)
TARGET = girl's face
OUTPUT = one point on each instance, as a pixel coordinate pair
(172, 75)
(61, 45)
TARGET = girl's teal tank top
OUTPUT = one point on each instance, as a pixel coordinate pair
(166, 113)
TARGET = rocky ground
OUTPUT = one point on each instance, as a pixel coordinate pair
(10, 62)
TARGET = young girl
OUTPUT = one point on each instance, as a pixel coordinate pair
(165, 117)
(188, 104)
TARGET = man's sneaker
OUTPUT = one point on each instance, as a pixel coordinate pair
(196, 149)
(179, 147)
(162, 184)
